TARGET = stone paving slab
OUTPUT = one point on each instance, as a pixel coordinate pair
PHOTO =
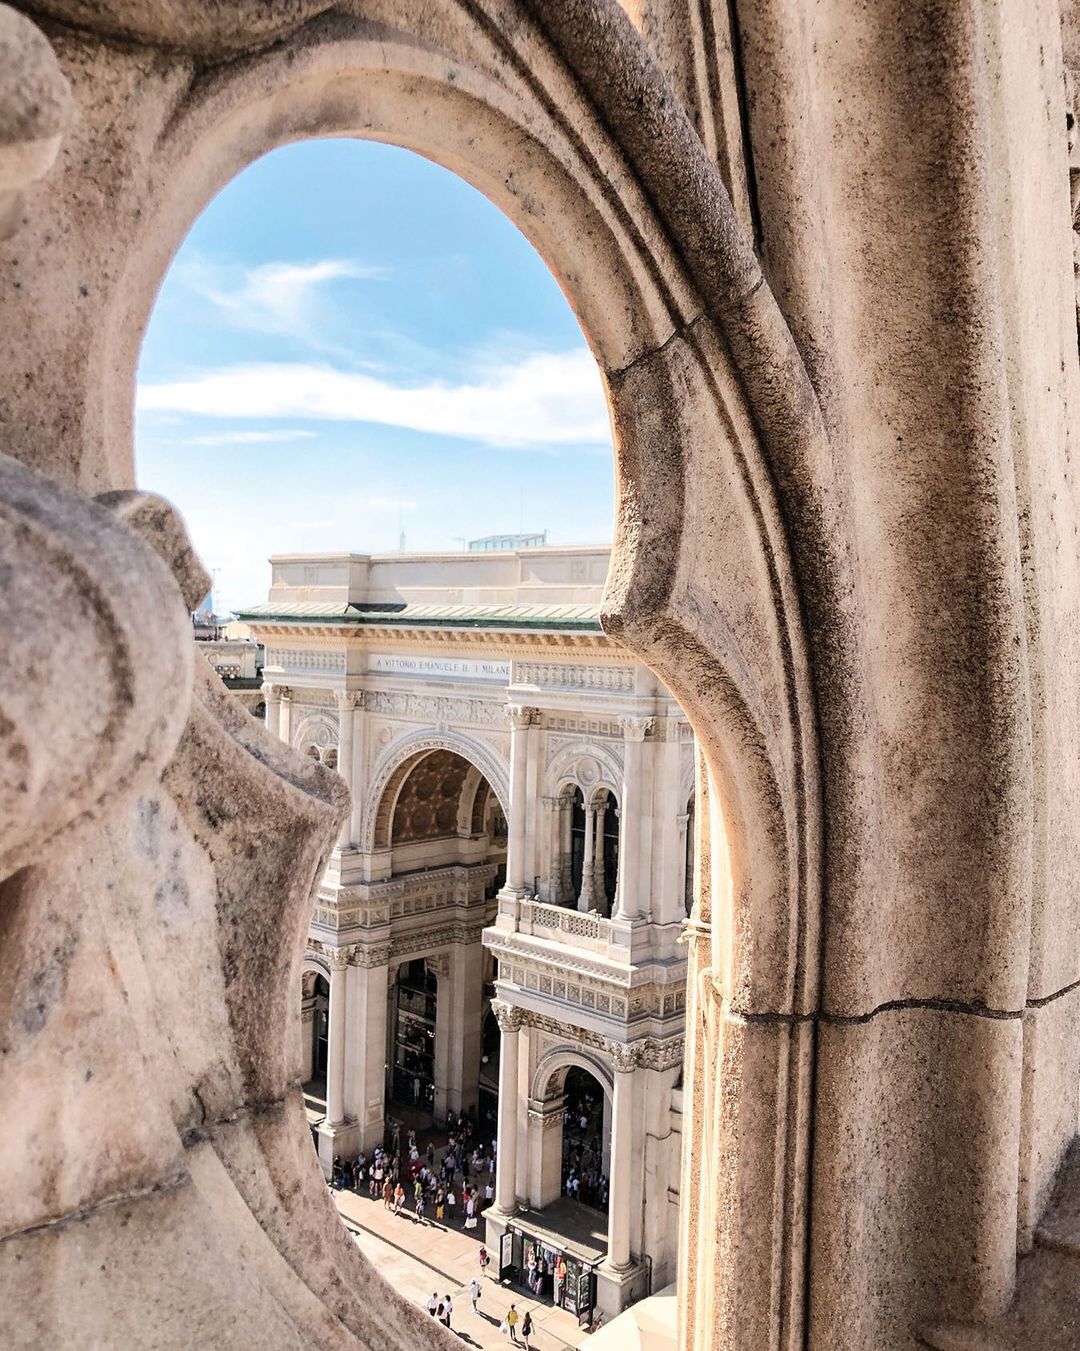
(418, 1259)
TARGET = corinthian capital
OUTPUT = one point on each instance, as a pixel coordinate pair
(521, 716)
(624, 1058)
(636, 729)
(509, 1017)
(340, 958)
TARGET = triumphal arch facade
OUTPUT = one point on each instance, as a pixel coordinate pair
(824, 258)
(522, 804)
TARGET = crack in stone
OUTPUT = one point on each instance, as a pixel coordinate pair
(941, 1005)
(172, 1183)
(684, 330)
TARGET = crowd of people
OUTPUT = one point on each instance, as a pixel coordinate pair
(449, 1185)
(583, 1176)
(451, 1190)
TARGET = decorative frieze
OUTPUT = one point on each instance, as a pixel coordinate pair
(650, 1053)
(432, 709)
(312, 699)
(589, 990)
(421, 942)
(304, 659)
(581, 726)
(374, 904)
(570, 676)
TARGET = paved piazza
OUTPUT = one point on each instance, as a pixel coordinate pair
(420, 1258)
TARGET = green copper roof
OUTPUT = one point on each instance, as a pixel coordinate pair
(581, 618)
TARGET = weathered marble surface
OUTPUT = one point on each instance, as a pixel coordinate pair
(824, 257)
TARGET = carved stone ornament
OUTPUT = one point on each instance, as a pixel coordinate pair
(624, 1058)
(509, 1017)
(340, 958)
(636, 729)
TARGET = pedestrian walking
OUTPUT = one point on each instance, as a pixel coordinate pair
(526, 1328)
(474, 1293)
(433, 1304)
(420, 1207)
(448, 1309)
(399, 1198)
(388, 1194)
(512, 1322)
(451, 1203)
(484, 1258)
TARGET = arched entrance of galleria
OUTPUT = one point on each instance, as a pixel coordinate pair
(409, 1044)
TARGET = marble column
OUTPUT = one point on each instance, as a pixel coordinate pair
(599, 895)
(624, 1062)
(444, 1021)
(464, 1007)
(273, 708)
(585, 895)
(553, 845)
(521, 719)
(510, 1021)
(545, 1121)
(566, 872)
(335, 1051)
(365, 1044)
(346, 702)
(285, 716)
(628, 903)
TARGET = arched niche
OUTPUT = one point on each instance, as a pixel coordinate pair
(402, 756)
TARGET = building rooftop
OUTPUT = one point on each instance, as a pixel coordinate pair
(532, 586)
(579, 618)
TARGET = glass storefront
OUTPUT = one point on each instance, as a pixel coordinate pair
(550, 1273)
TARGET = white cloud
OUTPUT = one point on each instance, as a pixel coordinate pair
(548, 399)
(275, 297)
(250, 438)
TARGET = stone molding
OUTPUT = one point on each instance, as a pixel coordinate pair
(480, 754)
(546, 1120)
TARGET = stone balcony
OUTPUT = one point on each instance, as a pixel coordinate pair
(461, 888)
(589, 931)
(616, 976)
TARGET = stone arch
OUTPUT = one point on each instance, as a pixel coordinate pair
(318, 730)
(313, 962)
(402, 756)
(709, 397)
(558, 1060)
(563, 768)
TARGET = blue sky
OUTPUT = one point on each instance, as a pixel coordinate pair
(352, 341)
